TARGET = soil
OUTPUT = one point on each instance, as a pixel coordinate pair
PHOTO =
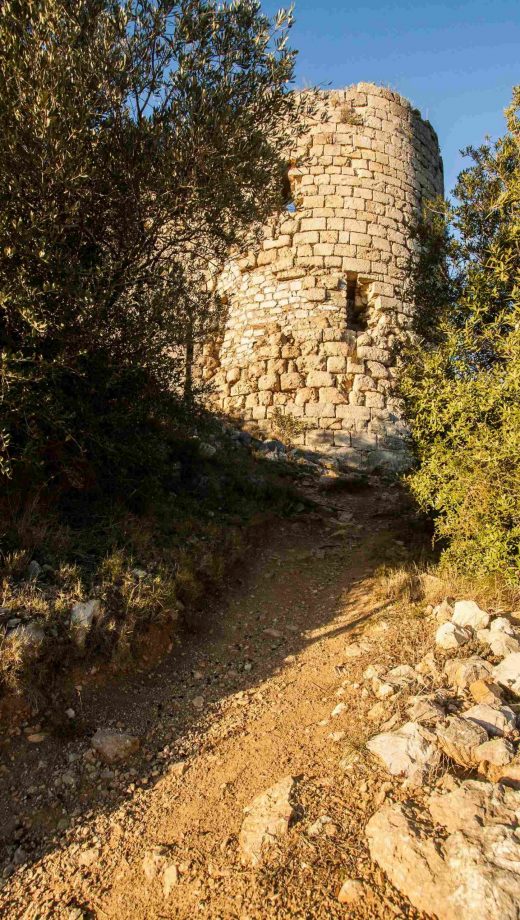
(234, 707)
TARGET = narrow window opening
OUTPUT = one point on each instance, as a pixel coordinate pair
(288, 201)
(357, 304)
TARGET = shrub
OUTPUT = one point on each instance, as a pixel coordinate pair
(461, 382)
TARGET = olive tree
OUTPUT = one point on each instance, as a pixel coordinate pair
(139, 141)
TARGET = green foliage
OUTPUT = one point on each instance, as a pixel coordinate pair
(286, 427)
(462, 376)
(139, 140)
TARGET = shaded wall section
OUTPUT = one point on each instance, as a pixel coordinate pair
(314, 312)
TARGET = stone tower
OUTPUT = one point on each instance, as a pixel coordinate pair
(314, 312)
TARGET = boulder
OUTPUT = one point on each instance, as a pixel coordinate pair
(473, 804)
(461, 672)
(458, 738)
(474, 876)
(507, 673)
(450, 636)
(407, 753)
(500, 643)
(267, 818)
(468, 613)
(495, 721)
(501, 624)
(114, 746)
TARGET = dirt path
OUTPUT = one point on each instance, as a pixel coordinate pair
(229, 713)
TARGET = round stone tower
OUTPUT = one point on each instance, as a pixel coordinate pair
(313, 313)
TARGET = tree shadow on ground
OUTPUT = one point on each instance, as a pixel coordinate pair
(297, 578)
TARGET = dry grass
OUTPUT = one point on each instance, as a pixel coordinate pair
(417, 588)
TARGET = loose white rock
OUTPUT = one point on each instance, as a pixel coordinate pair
(113, 746)
(468, 613)
(351, 892)
(267, 818)
(507, 673)
(406, 753)
(496, 722)
(450, 636)
(501, 624)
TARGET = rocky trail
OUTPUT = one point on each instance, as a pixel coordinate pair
(252, 731)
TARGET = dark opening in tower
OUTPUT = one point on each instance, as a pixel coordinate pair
(357, 304)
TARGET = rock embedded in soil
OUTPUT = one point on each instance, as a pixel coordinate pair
(468, 613)
(351, 892)
(462, 672)
(266, 820)
(473, 873)
(114, 746)
(407, 753)
(470, 805)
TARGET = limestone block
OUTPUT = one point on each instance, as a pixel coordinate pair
(337, 365)
(269, 382)
(319, 379)
(291, 381)
(319, 410)
(331, 395)
(374, 400)
(362, 382)
(319, 439)
(355, 413)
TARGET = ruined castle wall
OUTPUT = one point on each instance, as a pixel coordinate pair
(314, 312)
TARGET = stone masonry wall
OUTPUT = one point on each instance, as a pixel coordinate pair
(314, 312)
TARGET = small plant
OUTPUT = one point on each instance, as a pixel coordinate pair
(349, 117)
(286, 427)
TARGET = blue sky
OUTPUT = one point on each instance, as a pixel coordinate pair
(457, 62)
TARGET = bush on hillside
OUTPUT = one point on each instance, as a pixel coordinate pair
(461, 381)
